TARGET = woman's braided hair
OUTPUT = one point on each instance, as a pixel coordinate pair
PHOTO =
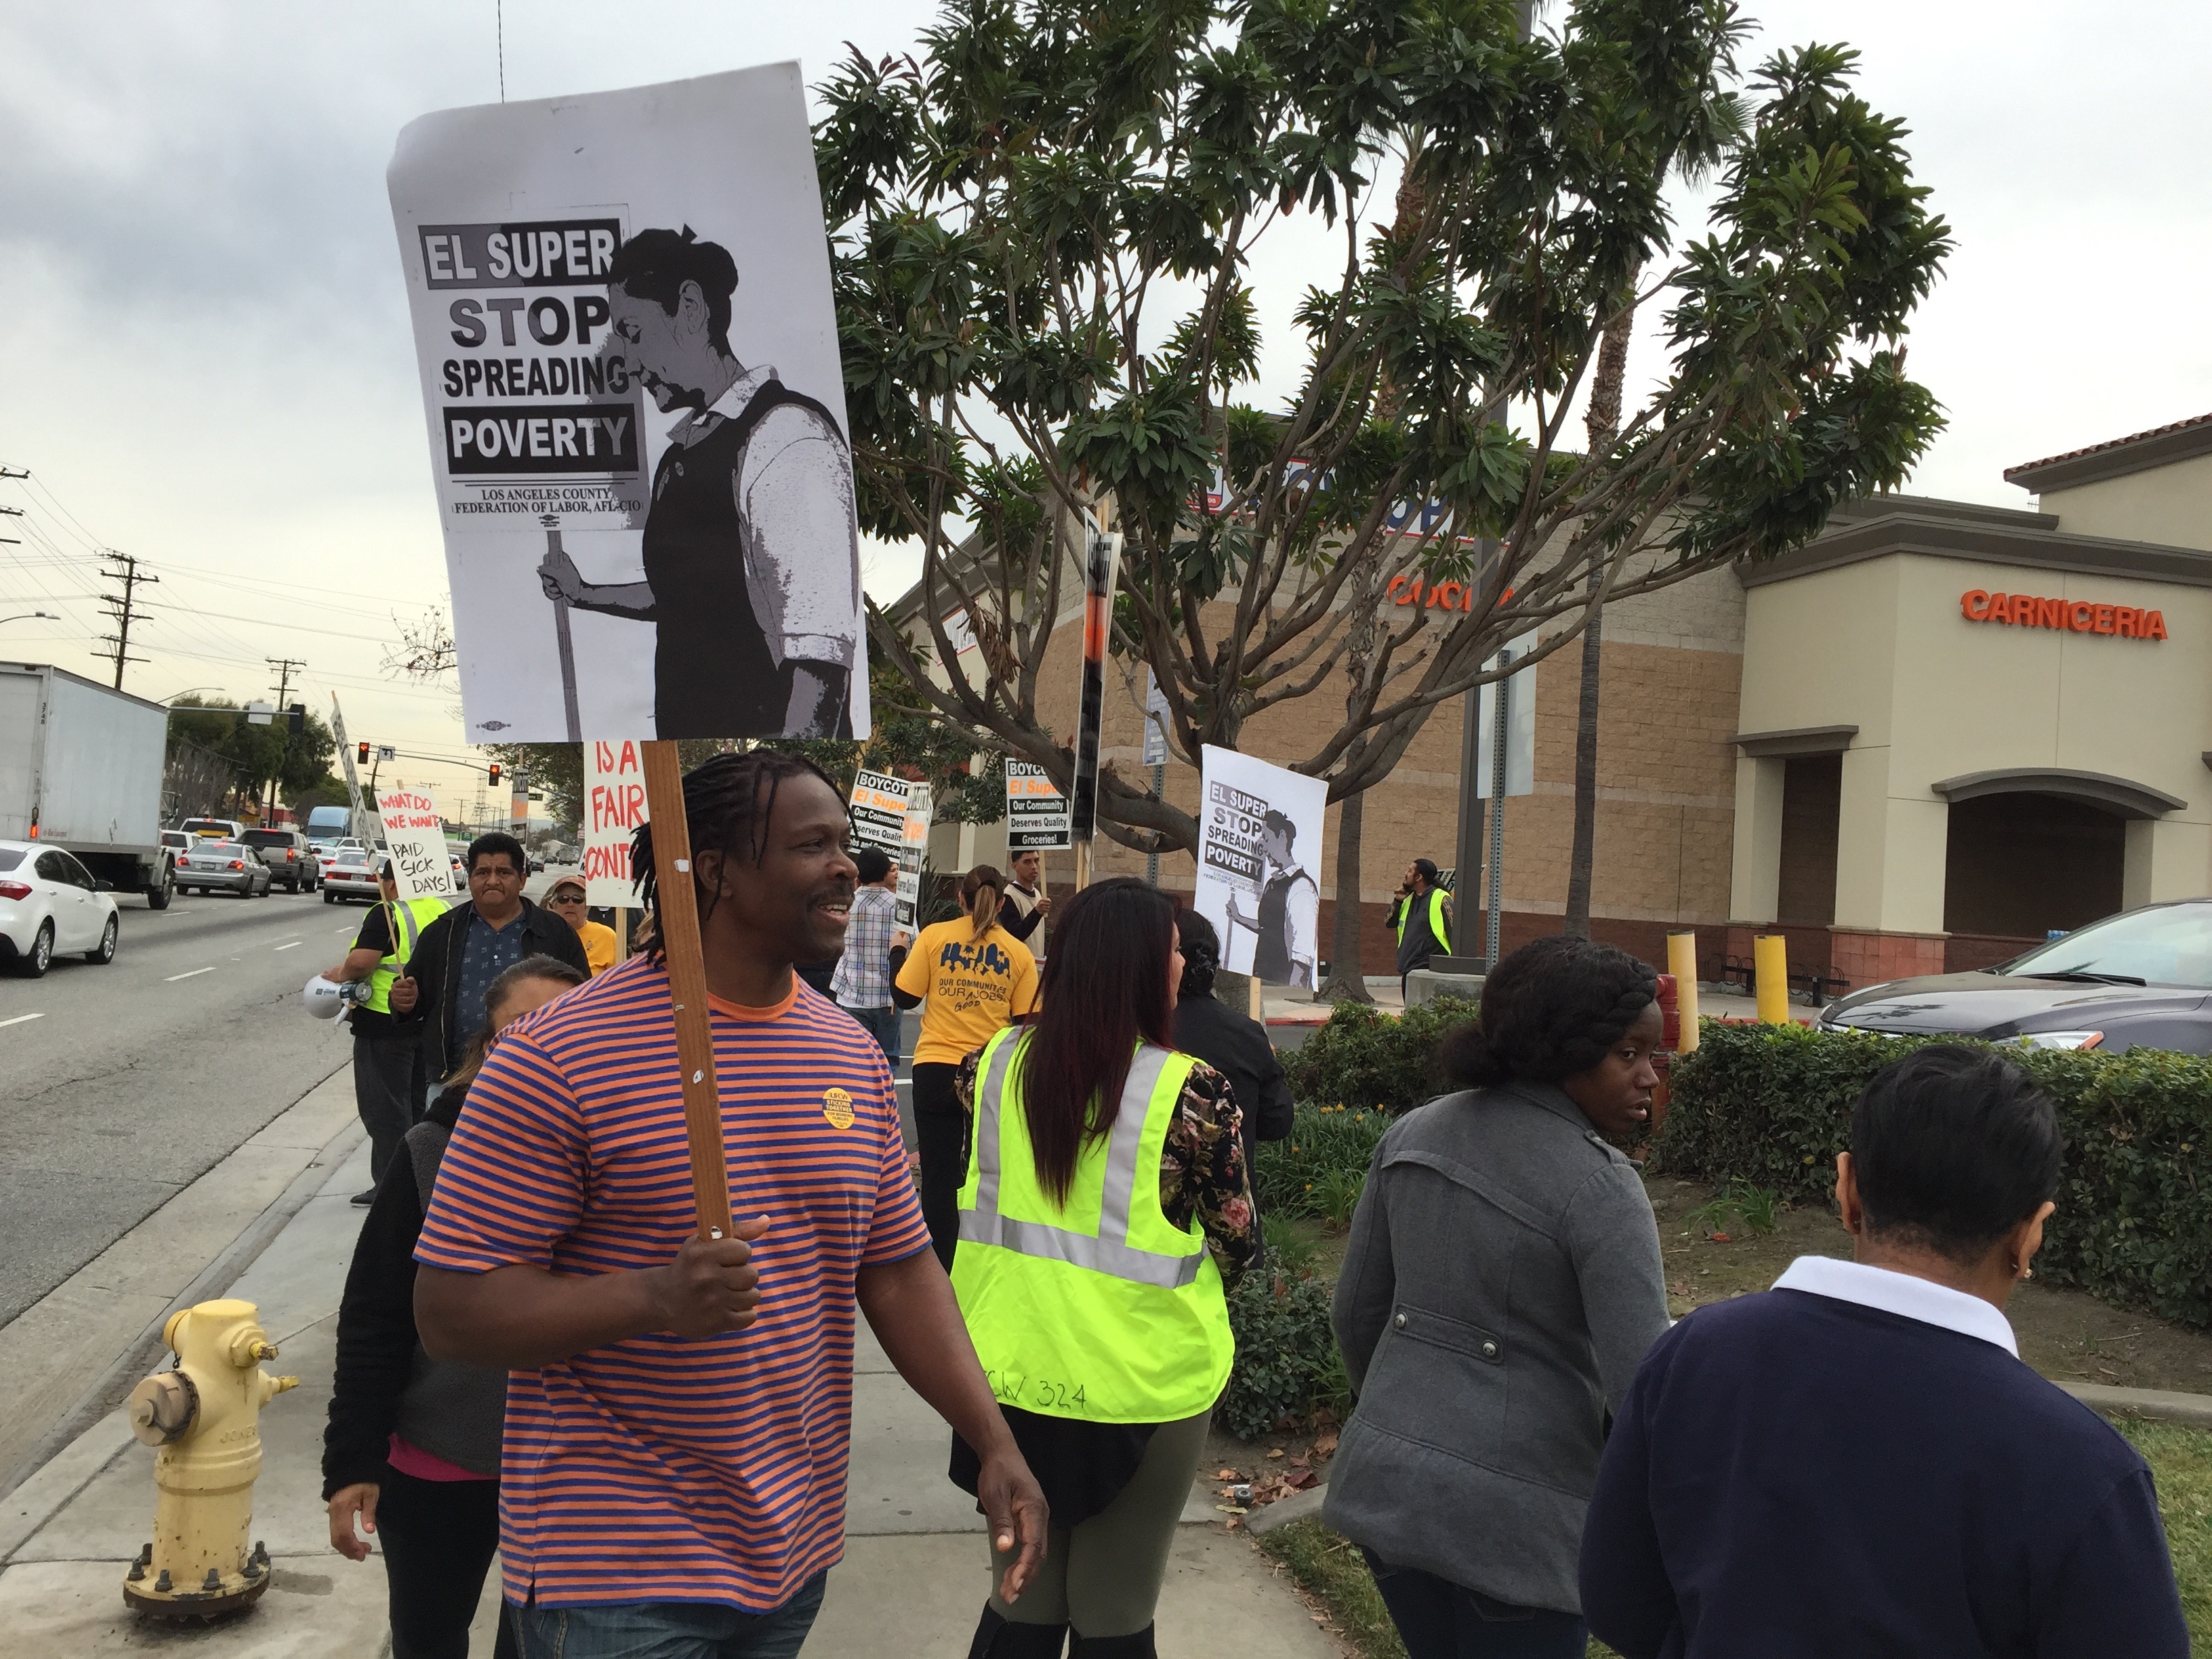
(1551, 1009)
(728, 801)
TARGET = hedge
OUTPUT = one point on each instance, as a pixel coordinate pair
(1286, 1360)
(1327, 1145)
(1361, 1057)
(1772, 1104)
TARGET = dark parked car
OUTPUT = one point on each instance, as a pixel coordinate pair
(2139, 979)
(291, 861)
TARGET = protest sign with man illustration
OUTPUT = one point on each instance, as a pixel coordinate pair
(687, 570)
(1259, 835)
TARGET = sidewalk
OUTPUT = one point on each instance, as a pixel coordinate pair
(912, 1582)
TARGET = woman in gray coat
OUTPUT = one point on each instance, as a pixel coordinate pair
(1503, 1282)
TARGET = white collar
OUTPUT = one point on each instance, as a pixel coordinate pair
(1902, 1294)
(727, 407)
(732, 403)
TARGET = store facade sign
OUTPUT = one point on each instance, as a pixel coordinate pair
(2125, 622)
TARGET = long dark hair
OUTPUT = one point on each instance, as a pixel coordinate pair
(1551, 1009)
(1105, 986)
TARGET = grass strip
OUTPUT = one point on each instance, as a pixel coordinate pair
(2180, 1460)
(1332, 1570)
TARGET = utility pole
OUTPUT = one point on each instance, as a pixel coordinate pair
(285, 667)
(123, 606)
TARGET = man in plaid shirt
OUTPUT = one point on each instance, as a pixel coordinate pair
(862, 983)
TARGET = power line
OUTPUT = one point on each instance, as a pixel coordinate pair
(119, 607)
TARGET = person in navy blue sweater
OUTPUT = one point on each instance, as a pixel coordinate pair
(1856, 1461)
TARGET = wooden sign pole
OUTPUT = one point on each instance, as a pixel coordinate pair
(678, 919)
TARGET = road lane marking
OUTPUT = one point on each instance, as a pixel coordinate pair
(195, 974)
(293, 945)
(20, 1019)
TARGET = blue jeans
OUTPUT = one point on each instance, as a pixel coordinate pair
(669, 1630)
(1438, 1619)
(881, 1024)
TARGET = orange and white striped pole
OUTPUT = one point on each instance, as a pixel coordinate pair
(1102, 562)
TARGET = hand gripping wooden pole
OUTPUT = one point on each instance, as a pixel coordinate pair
(678, 919)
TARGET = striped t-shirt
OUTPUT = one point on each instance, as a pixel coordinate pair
(662, 1469)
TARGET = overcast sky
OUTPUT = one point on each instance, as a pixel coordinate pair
(204, 358)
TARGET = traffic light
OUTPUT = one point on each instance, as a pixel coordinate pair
(364, 753)
(494, 774)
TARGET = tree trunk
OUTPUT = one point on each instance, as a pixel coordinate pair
(1347, 980)
(1604, 424)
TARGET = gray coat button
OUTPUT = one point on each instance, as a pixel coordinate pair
(1399, 1321)
(1490, 1351)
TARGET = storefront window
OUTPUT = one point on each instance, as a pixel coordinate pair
(2169, 945)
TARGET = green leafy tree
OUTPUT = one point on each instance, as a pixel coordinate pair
(1043, 231)
(299, 762)
(905, 741)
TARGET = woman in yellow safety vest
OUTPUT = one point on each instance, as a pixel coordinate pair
(1101, 1166)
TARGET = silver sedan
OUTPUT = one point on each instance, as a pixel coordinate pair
(223, 867)
(352, 877)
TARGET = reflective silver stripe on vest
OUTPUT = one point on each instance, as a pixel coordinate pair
(1109, 1252)
(402, 913)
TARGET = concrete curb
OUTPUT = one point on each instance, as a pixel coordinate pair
(2158, 1405)
(116, 1382)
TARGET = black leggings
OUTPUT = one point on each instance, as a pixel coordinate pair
(940, 1126)
(438, 1539)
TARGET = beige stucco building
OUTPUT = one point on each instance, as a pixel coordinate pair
(1925, 740)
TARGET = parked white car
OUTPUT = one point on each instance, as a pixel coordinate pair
(49, 902)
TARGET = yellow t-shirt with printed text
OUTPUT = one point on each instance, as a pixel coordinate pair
(972, 987)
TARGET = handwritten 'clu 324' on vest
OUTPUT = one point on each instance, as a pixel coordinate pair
(2078, 615)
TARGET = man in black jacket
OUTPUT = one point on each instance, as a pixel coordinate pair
(464, 950)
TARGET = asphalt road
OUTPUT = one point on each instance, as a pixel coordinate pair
(120, 1084)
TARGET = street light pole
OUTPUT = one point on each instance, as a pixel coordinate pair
(32, 616)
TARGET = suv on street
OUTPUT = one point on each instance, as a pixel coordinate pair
(291, 861)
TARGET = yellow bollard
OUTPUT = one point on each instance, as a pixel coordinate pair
(1769, 955)
(1682, 963)
(204, 1417)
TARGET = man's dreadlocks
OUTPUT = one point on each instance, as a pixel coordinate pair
(728, 801)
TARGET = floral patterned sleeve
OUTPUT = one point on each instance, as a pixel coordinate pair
(1203, 1170)
(963, 1090)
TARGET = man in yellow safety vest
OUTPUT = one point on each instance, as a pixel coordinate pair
(390, 1079)
(1422, 917)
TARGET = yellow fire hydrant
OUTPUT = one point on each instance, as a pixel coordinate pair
(203, 1418)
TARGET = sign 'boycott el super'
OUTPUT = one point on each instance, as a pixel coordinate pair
(2078, 615)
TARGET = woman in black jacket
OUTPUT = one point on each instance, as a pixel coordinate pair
(1232, 1042)
(412, 1446)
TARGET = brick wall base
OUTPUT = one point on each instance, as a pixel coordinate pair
(1643, 940)
(1863, 959)
(1965, 953)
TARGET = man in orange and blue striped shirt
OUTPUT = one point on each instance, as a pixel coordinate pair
(678, 1411)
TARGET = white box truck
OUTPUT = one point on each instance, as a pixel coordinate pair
(80, 768)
